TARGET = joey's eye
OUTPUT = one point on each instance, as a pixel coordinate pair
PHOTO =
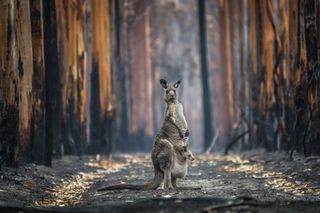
(167, 91)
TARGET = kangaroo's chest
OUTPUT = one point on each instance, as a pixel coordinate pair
(175, 111)
(179, 116)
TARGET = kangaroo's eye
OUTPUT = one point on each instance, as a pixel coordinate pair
(167, 91)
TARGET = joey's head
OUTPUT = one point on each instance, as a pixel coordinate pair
(188, 155)
(170, 91)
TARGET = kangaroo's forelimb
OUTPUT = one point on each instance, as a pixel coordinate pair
(171, 119)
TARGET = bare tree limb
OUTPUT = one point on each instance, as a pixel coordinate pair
(234, 141)
(305, 131)
(245, 201)
(213, 143)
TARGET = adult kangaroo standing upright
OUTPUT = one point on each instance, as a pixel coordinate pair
(169, 154)
(175, 124)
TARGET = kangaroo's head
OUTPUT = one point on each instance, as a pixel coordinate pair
(170, 91)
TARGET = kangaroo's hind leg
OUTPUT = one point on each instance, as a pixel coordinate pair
(167, 180)
(165, 163)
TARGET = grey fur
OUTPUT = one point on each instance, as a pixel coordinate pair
(169, 154)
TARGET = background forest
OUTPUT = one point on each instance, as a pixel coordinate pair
(82, 77)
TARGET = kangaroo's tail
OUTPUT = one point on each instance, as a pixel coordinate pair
(153, 184)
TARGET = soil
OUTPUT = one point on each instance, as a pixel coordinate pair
(255, 181)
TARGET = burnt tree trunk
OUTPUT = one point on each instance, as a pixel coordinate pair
(25, 68)
(208, 130)
(16, 82)
(120, 37)
(310, 141)
(101, 103)
(9, 93)
(53, 85)
(38, 121)
(139, 67)
(73, 69)
(226, 66)
(62, 45)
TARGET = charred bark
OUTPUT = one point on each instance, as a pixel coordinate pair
(121, 68)
(101, 72)
(312, 72)
(9, 87)
(53, 84)
(95, 110)
(16, 78)
(38, 119)
(207, 109)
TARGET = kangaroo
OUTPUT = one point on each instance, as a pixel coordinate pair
(180, 169)
(175, 119)
(169, 154)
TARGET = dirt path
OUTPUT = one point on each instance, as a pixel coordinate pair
(251, 181)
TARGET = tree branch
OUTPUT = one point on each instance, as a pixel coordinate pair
(234, 141)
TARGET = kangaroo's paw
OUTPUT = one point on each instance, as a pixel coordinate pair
(187, 133)
(180, 134)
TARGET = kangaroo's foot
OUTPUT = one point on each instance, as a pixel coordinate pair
(167, 180)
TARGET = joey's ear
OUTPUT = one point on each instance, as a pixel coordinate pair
(164, 83)
(177, 84)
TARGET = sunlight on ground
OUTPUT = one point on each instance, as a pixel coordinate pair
(297, 188)
(274, 180)
(246, 168)
(69, 192)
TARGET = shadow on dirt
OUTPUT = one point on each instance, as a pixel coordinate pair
(186, 205)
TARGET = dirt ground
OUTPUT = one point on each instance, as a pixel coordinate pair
(256, 181)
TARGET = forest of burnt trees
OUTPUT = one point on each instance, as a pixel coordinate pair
(82, 76)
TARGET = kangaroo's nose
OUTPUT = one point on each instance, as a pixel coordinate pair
(171, 93)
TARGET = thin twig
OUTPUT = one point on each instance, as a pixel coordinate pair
(310, 187)
(234, 141)
(305, 132)
(213, 142)
(233, 204)
(270, 177)
(263, 123)
(188, 188)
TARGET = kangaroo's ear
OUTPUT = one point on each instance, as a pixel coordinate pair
(177, 84)
(164, 83)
